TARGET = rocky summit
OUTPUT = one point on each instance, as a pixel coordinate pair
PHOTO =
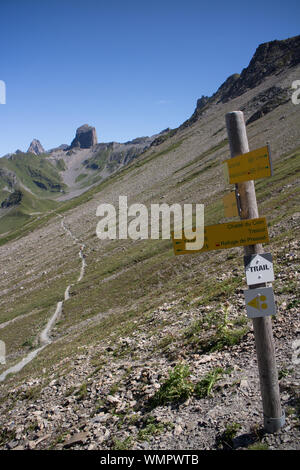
(36, 147)
(85, 138)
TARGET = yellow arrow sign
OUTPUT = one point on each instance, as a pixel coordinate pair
(229, 235)
(250, 166)
(259, 302)
(253, 303)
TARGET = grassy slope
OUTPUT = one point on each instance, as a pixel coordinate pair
(130, 283)
(42, 181)
(129, 279)
(21, 216)
(35, 172)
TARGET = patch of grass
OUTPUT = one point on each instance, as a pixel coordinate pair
(152, 428)
(82, 392)
(98, 161)
(214, 332)
(35, 172)
(80, 177)
(282, 373)
(31, 393)
(175, 389)
(165, 342)
(258, 446)
(208, 152)
(126, 444)
(114, 388)
(195, 174)
(287, 288)
(204, 387)
(293, 304)
(60, 164)
(70, 391)
(225, 440)
(28, 343)
(6, 436)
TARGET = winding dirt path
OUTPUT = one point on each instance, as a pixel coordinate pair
(44, 337)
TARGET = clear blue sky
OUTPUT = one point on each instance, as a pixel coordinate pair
(129, 68)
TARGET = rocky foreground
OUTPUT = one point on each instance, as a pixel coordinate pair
(120, 395)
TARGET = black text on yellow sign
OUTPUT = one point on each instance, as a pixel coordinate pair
(229, 235)
(250, 166)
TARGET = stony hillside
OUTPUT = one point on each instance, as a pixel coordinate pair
(150, 350)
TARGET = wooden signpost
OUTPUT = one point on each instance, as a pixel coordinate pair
(273, 416)
(250, 232)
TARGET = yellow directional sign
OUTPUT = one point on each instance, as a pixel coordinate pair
(250, 166)
(229, 235)
(230, 206)
(260, 302)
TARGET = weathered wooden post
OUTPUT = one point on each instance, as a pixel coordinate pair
(273, 416)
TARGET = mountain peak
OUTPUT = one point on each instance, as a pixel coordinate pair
(85, 138)
(36, 147)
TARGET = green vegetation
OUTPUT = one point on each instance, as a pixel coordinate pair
(142, 161)
(82, 392)
(178, 387)
(33, 180)
(225, 440)
(204, 387)
(98, 161)
(214, 332)
(31, 393)
(175, 389)
(258, 446)
(151, 428)
(13, 199)
(293, 304)
(205, 154)
(6, 436)
(80, 177)
(60, 165)
(126, 444)
(20, 217)
(282, 373)
(194, 174)
(33, 171)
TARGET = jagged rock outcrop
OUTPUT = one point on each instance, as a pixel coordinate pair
(85, 138)
(265, 102)
(270, 58)
(36, 147)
